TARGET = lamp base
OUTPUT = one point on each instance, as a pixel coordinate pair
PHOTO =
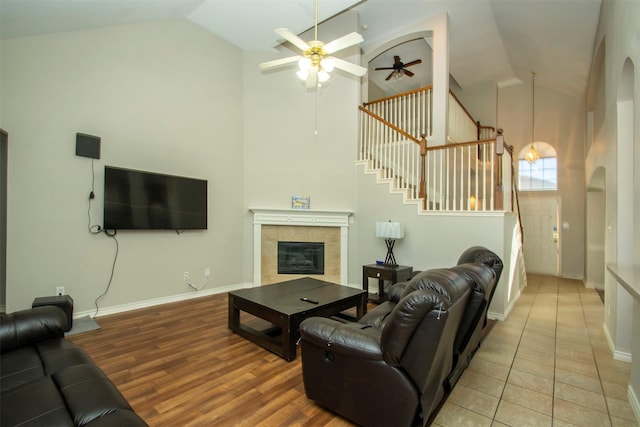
(390, 260)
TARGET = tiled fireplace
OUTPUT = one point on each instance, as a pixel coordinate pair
(328, 230)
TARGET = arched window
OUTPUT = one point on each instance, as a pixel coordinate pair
(540, 175)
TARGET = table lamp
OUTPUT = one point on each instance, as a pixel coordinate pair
(390, 232)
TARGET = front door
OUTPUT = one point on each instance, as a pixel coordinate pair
(541, 235)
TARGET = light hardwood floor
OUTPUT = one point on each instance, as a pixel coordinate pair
(547, 364)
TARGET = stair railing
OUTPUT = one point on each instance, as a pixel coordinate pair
(458, 176)
(462, 127)
(409, 111)
(397, 154)
(466, 176)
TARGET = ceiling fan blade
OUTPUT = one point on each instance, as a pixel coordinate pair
(294, 39)
(416, 62)
(384, 68)
(390, 75)
(408, 73)
(312, 78)
(350, 67)
(343, 42)
(278, 62)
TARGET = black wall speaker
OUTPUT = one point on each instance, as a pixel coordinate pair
(87, 146)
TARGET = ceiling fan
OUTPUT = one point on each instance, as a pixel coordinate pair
(399, 68)
(315, 64)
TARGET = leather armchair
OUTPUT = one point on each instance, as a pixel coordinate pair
(391, 370)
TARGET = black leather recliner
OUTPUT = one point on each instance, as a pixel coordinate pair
(390, 371)
(484, 268)
(46, 380)
(478, 271)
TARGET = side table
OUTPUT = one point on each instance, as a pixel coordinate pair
(391, 273)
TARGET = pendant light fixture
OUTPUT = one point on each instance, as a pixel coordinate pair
(532, 155)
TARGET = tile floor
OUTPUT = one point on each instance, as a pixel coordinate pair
(548, 364)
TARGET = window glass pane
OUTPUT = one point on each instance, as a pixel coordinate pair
(551, 163)
(539, 176)
(549, 176)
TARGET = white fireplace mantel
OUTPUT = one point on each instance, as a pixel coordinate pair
(300, 217)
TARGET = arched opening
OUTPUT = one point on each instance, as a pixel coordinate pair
(401, 68)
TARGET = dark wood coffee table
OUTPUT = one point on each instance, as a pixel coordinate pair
(281, 305)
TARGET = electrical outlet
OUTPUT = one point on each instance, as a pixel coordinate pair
(207, 272)
(186, 275)
(60, 290)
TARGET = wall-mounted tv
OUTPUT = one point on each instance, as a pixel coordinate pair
(137, 200)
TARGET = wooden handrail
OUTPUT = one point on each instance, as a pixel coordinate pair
(391, 125)
(461, 144)
(422, 191)
(514, 193)
(424, 89)
(462, 106)
(399, 95)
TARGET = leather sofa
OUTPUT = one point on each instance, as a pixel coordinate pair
(46, 380)
(394, 365)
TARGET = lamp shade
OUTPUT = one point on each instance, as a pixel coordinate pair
(389, 230)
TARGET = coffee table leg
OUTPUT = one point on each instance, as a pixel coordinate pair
(288, 340)
(233, 322)
(361, 309)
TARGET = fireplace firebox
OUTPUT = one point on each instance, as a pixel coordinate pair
(300, 257)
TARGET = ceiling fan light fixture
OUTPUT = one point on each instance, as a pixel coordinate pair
(328, 64)
(323, 76)
(304, 63)
(303, 74)
(315, 64)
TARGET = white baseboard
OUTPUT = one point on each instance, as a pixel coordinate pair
(589, 284)
(633, 400)
(502, 316)
(104, 311)
(622, 356)
(572, 276)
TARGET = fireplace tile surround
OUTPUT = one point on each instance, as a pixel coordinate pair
(271, 225)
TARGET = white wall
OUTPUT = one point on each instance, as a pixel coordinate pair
(596, 220)
(163, 98)
(480, 101)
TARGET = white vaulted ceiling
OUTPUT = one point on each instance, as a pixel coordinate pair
(490, 40)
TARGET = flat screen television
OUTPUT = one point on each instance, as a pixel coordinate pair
(137, 200)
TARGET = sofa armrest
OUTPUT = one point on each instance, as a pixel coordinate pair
(396, 291)
(350, 339)
(31, 325)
